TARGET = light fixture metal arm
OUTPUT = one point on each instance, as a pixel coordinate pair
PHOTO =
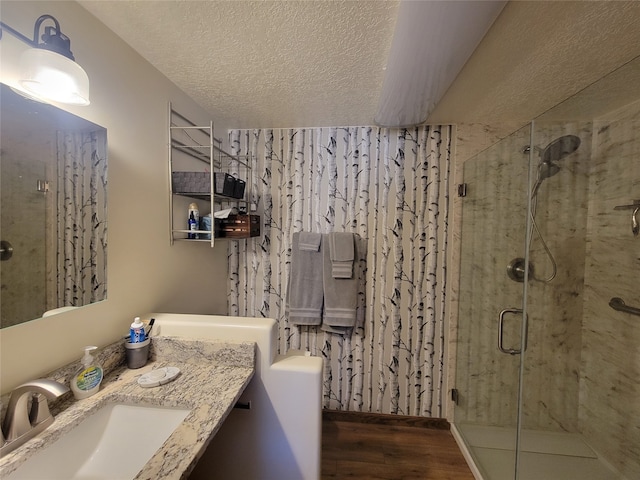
(48, 70)
(17, 34)
(52, 37)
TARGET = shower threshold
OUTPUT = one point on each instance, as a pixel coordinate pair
(545, 455)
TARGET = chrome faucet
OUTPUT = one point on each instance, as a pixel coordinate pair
(20, 423)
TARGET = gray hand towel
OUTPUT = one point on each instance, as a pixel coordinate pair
(304, 296)
(341, 251)
(340, 297)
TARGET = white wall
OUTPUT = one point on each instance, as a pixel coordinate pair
(130, 99)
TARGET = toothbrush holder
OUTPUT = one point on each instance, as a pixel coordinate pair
(137, 353)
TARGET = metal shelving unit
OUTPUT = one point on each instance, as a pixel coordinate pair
(190, 146)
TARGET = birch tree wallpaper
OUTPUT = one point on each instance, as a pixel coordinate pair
(81, 219)
(389, 186)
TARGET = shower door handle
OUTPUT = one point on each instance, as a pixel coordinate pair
(510, 351)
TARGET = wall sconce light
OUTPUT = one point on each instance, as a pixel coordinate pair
(48, 70)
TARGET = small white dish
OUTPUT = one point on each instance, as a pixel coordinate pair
(158, 377)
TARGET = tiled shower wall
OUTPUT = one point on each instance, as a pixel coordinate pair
(24, 161)
(609, 411)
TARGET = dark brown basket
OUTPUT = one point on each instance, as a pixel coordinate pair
(240, 226)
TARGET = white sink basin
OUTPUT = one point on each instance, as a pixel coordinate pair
(112, 444)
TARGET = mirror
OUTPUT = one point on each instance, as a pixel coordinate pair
(53, 210)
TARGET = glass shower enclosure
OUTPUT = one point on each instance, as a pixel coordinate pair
(548, 348)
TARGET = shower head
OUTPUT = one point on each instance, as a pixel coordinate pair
(559, 148)
(554, 151)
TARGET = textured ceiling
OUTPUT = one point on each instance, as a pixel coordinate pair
(320, 62)
(536, 55)
(264, 63)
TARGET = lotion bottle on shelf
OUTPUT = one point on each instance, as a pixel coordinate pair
(194, 219)
(193, 226)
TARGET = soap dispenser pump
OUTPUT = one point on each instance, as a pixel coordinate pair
(86, 381)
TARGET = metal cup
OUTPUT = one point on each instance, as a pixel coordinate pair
(137, 353)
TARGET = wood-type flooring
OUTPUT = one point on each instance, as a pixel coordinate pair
(381, 447)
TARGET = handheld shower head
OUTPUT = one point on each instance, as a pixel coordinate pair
(559, 148)
(556, 150)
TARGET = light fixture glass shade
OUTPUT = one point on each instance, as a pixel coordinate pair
(51, 76)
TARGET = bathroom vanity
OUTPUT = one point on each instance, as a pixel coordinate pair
(212, 377)
(253, 413)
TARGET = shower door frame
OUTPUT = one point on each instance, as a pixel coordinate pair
(524, 331)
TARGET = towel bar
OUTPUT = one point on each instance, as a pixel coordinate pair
(618, 304)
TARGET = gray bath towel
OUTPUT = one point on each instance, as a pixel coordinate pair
(340, 296)
(304, 298)
(310, 241)
(341, 250)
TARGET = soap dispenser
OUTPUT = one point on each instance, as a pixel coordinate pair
(86, 381)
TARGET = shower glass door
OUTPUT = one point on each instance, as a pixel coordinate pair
(493, 238)
(548, 369)
(580, 402)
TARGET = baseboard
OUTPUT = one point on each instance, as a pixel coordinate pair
(386, 419)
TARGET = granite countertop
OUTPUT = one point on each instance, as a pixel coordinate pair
(212, 377)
